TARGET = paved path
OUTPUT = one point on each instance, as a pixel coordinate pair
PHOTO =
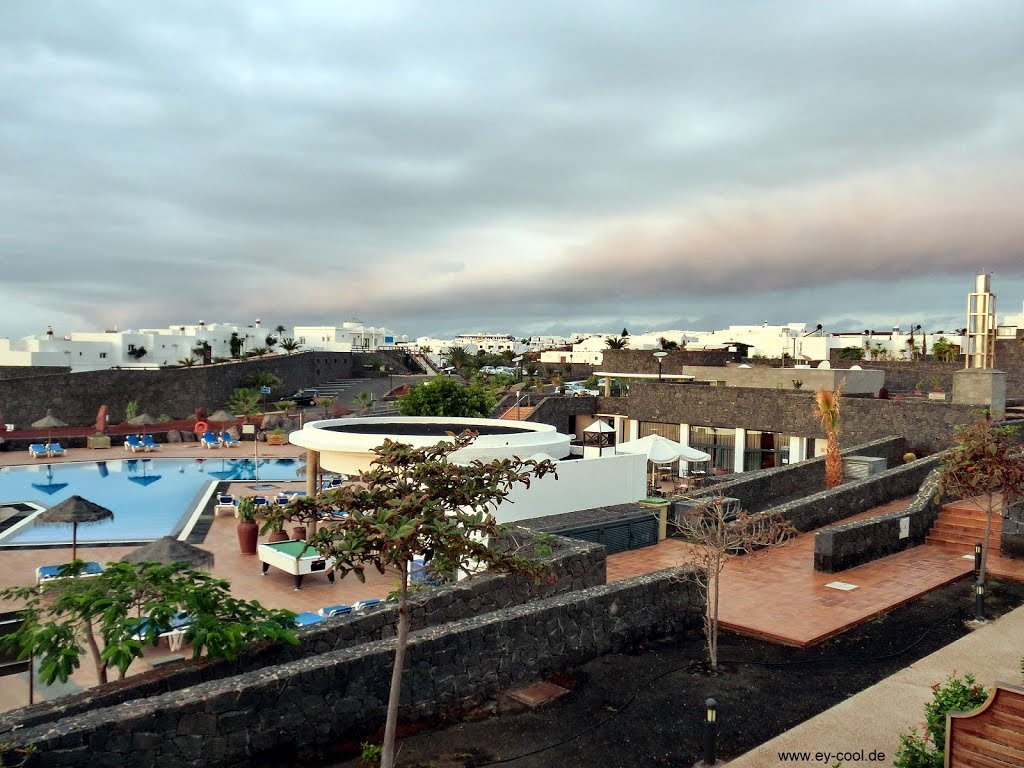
(874, 719)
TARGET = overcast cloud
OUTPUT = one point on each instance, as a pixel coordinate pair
(526, 166)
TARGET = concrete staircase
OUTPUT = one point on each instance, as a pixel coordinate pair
(524, 412)
(961, 524)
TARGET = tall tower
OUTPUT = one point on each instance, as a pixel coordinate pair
(980, 350)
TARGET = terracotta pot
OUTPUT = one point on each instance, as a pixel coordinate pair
(277, 536)
(299, 533)
(248, 533)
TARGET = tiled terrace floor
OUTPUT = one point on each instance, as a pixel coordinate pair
(275, 590)
(778, 595)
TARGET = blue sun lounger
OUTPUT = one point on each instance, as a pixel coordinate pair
(209, 440)
(53, 572)
(334, 610)
(228, 440)
(307, 619)
(133, 444)
(361, 605)
(56, 449)
(149, 443)
(38, 450)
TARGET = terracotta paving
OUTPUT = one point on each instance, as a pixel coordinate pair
(275, 590)
(777, 594)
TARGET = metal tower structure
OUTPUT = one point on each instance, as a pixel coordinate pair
(980, 349)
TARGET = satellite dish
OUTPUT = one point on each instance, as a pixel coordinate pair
(824, 364)
(856, 368)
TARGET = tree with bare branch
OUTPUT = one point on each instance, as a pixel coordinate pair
(827, 408)
(719, 533)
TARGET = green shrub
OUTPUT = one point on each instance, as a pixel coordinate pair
(927, 750)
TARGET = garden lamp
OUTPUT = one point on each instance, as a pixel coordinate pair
(660, 356)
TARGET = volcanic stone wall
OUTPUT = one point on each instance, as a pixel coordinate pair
(561, 411)
(788, 411)
(76, 397)
(850, 544)
(342, 695)
(644, 361)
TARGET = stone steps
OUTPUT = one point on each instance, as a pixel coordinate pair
(962, 524)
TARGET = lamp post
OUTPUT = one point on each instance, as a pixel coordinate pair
(660, 356)
(710, 728)
(979, 600)
(977, 560)
(519, 378)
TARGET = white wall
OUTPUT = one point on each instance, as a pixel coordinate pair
(581, 484)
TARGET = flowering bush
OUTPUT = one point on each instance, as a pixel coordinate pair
(927, 750)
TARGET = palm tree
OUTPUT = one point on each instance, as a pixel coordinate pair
(290, 345)
(457, 357)
(187, 362)
(258, 379)
(245, 402)
(363, 399)
(826, 408)
(616, 343)
(280, 331)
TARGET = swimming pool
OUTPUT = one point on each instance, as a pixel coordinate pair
(150, 498)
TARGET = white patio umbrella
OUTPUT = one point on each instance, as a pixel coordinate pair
(661, 450)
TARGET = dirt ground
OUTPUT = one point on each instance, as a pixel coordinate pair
(646, 708)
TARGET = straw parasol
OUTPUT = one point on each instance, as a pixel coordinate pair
(49, 422)
(169, 550)
(49, 487)
(75, 510)
(144, 418)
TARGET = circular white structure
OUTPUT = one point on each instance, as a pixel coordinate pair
(346, 445)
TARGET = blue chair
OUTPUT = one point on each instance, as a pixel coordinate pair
(362, 605)
(133, 444)
(228, 440)
(260, 501)
(56, 449)
(334, 610)
(149, 443)
(307, 619)
(37, 450)
(209, 440)
(52, 572)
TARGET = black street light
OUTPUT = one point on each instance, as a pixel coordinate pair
(977, 560)
(660, 356)
(979, 600)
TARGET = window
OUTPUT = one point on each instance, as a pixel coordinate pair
(671, 431)
(103, 354)
(131, 347)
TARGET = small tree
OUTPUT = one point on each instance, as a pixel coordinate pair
(826, 408)
(983, 463)
(611, 342)
(126, 607)
(721, 534)
(415, 502)
(258, 379)
(290, 345)
(236, 343)
(446, 397)
(363, 400)
(667, 345)
(245, 401)
(943, 350)
(131, 410)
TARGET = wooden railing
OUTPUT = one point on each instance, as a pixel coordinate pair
(991, 736)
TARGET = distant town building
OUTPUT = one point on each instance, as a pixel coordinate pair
(351, 336)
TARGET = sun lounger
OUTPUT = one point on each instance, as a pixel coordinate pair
(362, 605)
(38, 450)
(228, 440)
(174, 631)
(209, 440)
(307, 618)
(133, 444)
(56, 449)
(334, 610)
(53, 572)
(149, 443)
(225, 503)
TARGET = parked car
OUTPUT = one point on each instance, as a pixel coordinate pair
(576, 389)
(304, 396)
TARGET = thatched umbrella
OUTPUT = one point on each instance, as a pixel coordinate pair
(144, 418)
(49, 422)
(75, 510)
(171, 550)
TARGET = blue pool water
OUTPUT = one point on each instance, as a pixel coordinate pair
(150, 498)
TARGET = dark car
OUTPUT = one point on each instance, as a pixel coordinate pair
(304, 396)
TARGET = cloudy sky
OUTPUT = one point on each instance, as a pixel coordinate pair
(523, 166)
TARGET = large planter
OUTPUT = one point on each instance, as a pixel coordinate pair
(275, 439)
(97, 441)
(276, 536)
(248, 534)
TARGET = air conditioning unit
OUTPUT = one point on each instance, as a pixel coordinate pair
(859, 467)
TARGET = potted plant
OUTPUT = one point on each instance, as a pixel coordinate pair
(919, 388)
(248, 528)
(276, 437)
(937, 393)
(274, 518)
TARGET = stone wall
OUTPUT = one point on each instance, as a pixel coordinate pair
(853, 497)
(560, 412)
(760, 488)
(76, 397)
(341, 695)
(787, 411)
(1011, 542)
(840, 547)
(644, 361)
(19, 371)
(575, 565)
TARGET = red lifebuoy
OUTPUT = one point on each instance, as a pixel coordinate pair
(200, 427)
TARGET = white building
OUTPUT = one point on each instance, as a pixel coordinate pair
(143, 348)
(351, 336)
